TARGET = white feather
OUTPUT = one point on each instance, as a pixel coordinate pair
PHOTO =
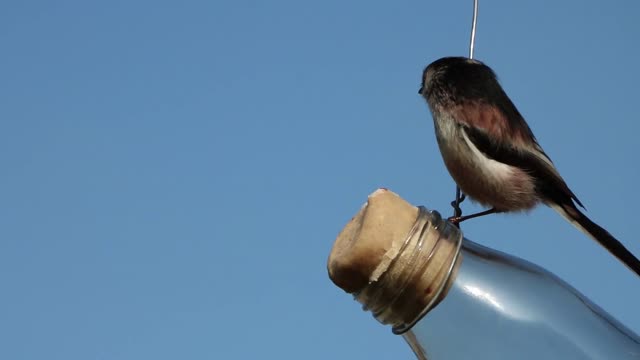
(489, 167)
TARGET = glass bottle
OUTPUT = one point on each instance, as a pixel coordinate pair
(502, 307)
(477, 303)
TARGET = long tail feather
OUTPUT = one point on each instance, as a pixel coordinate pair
(602, 236)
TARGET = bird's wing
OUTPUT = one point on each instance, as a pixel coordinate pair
(527, 156)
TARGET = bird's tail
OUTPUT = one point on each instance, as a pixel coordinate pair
(570, 212)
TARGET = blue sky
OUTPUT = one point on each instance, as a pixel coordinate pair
(175, 173)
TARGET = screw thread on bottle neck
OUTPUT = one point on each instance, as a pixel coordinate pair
(419, 275)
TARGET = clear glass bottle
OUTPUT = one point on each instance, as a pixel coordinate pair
(452, 299)
(502, 307)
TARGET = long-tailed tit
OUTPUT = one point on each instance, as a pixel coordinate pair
(491, 152)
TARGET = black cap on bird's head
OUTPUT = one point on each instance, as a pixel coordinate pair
(456, 76)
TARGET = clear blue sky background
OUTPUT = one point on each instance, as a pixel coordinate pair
(174, 173)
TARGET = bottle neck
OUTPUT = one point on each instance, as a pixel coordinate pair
(418, 275)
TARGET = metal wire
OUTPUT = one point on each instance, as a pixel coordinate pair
(474, 22)
(457, 212)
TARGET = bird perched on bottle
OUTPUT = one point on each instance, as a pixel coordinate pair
(491, 152)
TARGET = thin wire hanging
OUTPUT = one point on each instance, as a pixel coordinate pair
(457, 212)
(474, 21)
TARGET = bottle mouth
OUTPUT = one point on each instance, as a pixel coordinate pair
(419, 275)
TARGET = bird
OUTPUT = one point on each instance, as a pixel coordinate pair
(492, 154)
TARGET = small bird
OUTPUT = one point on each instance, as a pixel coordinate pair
(491, 152)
